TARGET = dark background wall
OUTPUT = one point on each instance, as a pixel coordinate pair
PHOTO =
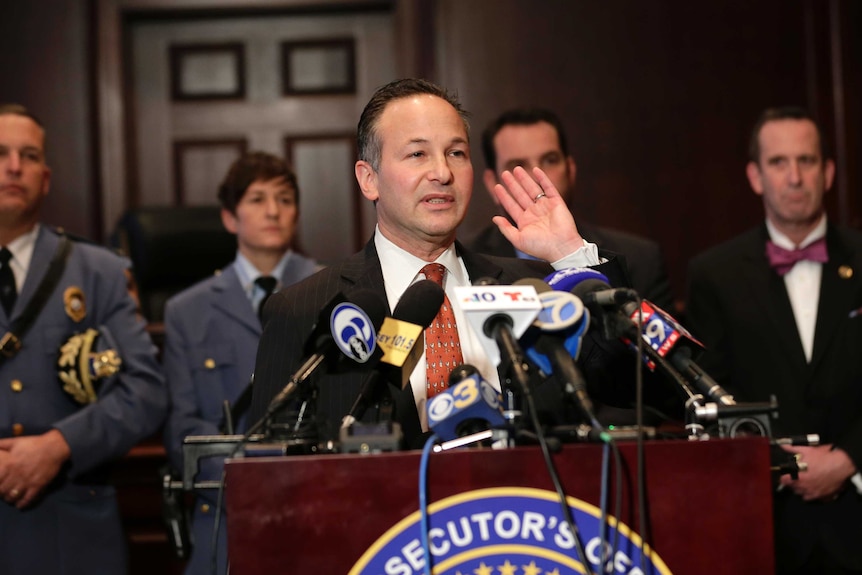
(45, 51)
(658, 97)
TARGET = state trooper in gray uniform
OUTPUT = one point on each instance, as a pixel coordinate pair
(79, 380)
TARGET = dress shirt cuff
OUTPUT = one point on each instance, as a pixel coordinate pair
(585, 256)
(857, 481)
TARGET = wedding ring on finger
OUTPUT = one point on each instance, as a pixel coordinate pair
(537, 198)
(14, 493)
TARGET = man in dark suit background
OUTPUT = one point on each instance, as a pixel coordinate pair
(777, 310)
(534, 137)
(415, 166)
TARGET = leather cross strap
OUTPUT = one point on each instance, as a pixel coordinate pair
(11, 342)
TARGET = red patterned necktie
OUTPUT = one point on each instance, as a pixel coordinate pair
(782, 260)
(442, 345)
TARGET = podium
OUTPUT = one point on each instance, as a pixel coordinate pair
(708, 504)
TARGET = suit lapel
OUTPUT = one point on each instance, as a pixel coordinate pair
(768, 289)
(43, 252)
(836, 294)
(232, 301)
(362, 270)
(297, 268)
(478, 267)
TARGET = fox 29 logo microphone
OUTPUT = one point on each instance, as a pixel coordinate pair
(470, 406)
(660, 331)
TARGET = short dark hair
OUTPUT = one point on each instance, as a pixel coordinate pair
(519, 117)
(249, 168)
(12, 109)
(19, 110)
(776, 114)
(367, 141)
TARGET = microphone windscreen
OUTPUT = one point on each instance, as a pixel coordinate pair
(588, 286)
(486, 281)
(461, 373)
(540, 285)
(471, 405)
(569, 278)
(419, 303)
(372, 304)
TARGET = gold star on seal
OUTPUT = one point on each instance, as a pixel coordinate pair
(483, 569)
(531, 569)
(507, 568)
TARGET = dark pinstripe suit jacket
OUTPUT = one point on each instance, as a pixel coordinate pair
(292, 312)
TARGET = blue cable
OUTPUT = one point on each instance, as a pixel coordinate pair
(603, 505)
(423, 505)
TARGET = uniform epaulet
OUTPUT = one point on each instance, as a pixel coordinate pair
(74, 237)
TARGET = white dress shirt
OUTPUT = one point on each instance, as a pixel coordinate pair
(22, 253)
(803, 284)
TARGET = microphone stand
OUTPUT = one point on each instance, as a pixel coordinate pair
(514, 380)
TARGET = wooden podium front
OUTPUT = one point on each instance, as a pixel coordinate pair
(709, 504)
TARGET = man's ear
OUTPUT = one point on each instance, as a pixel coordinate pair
(572, 169)
(828, 174)
(366, 177)
(46, 182)
(752, 170)
(489, 178)
(228, 220)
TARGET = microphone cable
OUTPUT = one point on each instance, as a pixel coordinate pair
(643, 522)
(424, 520)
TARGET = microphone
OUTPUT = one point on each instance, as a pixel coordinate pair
(594, 287)
(418, 306)
(498, 312)
(499, 315)
(554, 341)
(562, 314)
(466, 407)
(670, 339)
(664, 336)
(401, 339)
(348, 326)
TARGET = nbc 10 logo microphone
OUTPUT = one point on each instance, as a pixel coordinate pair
(352, 331)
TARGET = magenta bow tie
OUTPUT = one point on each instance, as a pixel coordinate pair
(782, 260)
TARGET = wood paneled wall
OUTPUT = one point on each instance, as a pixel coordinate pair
(45, 65)
(658, 99)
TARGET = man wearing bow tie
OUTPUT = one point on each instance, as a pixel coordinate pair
(773, 307)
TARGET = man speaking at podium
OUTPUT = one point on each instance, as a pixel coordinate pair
(414, 164)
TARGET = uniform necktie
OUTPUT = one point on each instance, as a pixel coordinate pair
(8, 290)
(267, 284)
(442, 344)
(783, 260)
